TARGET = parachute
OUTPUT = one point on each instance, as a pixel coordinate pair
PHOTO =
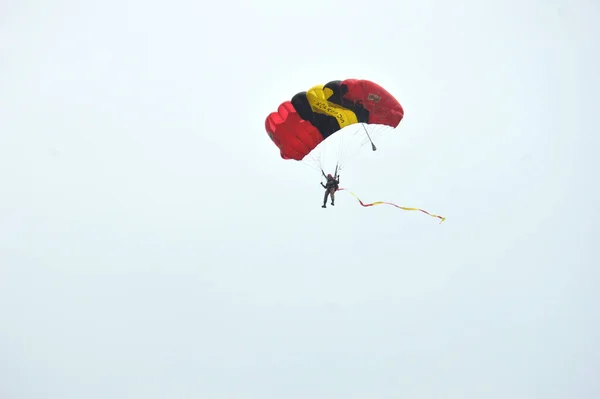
(332, 116)
(342, 115)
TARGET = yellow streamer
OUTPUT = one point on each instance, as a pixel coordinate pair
(442, 219)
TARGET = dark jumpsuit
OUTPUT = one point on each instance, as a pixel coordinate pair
(331, 187)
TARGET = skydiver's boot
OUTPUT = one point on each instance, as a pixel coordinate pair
(323, 206)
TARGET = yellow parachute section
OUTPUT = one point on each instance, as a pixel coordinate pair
(318, 99)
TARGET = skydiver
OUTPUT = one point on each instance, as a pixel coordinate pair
(330, 187)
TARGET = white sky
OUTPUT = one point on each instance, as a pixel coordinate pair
(154, 245)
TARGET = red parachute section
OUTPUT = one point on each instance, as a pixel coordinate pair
(383, 108)
(294, 136)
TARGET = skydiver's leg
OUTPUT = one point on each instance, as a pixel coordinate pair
(332, 196)
(325, 198)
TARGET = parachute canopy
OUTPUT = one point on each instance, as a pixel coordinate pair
(313, 116)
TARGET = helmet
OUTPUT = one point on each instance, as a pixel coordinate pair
(329, 176)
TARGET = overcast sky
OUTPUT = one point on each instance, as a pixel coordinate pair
(153, 244)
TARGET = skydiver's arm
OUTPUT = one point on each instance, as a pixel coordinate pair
(323, 185)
